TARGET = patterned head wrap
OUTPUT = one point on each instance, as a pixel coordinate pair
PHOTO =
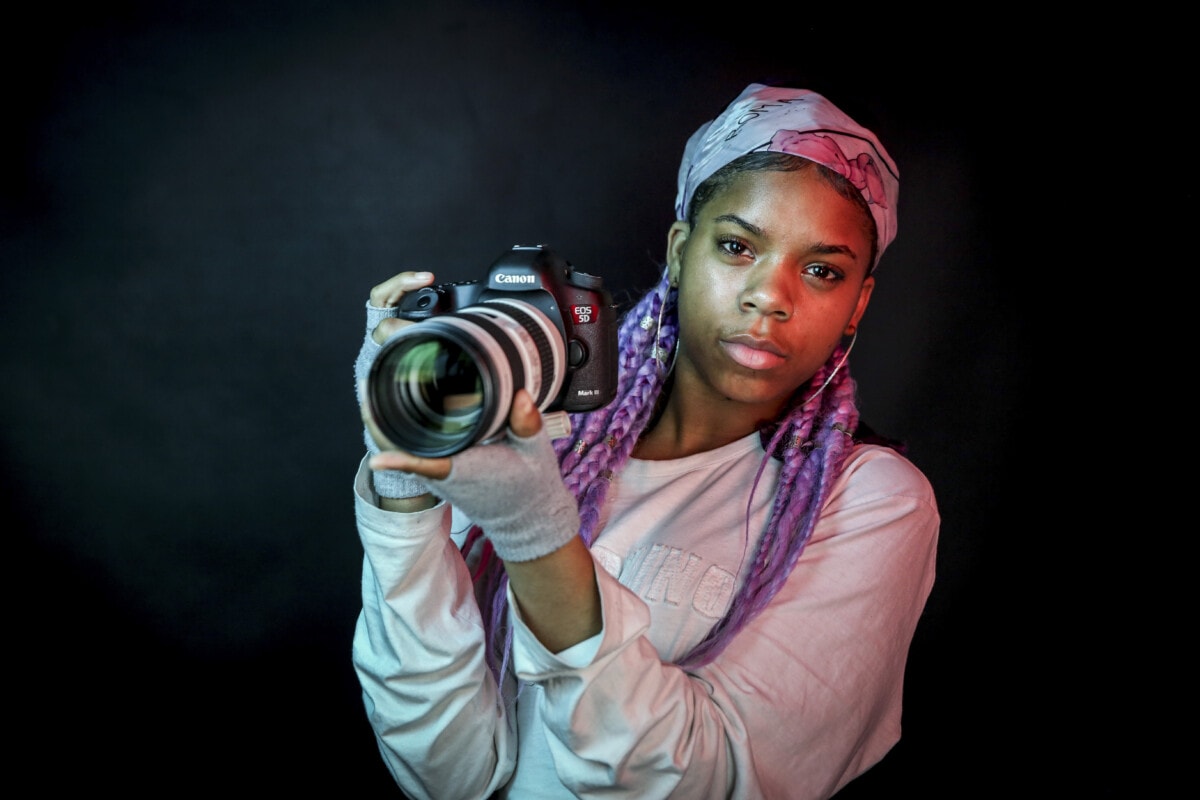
(802, 123)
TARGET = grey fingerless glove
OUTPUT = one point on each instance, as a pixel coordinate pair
(513, 490)
(388, 482)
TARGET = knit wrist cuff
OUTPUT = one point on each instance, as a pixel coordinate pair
(377, 314)
(395, 484)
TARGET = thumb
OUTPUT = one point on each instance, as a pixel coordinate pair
(524, 420)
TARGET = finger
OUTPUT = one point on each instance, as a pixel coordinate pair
(368, 419)
(392, 458)
(524, 420)
(388, 293)
(387, 327)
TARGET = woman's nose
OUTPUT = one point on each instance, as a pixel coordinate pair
(767, 292)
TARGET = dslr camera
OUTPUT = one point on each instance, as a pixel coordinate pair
(536, 322)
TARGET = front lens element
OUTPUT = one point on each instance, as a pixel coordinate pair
(434, 390)
(447, 382)
(439, 384)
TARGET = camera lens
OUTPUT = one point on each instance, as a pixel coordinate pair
(446, 383)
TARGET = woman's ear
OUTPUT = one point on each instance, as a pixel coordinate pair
(677, 237)
(864, 298)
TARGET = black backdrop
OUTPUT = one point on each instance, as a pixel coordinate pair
(196, 201)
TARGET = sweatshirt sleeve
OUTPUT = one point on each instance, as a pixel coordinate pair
(419, 655)
(806, 697)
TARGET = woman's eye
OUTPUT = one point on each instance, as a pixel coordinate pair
(823, 272)
(733, 247)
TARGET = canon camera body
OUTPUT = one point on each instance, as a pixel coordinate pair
(535, 322)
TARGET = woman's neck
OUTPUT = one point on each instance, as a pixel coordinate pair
(686, 422)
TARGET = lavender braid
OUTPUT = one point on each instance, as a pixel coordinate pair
(588, 468)
(811, 441)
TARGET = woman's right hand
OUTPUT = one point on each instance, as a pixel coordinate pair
(388, 295)
(383, 319)
(398, 490)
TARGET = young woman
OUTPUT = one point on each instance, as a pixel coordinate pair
(710, 590)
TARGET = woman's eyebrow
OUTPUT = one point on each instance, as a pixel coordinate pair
(736, 220)
(833, 249)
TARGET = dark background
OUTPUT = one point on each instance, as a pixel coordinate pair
(197, 200)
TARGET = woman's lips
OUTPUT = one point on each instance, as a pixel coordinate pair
(752, 352)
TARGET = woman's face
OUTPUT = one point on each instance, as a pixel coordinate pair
(770, 279)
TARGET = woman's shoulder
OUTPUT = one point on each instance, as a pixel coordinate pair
(879, 492)
(882, 469)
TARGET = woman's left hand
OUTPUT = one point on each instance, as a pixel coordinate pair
(511, 488)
